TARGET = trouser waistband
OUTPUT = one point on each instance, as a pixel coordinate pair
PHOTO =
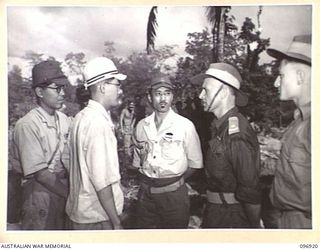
(221, 198)
(308, 215)
(164, 189)
(158, 182)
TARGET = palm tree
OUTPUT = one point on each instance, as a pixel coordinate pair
(216, 15)
(151, 28)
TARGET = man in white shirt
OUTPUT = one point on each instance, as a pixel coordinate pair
(167, 151)
(96, 199)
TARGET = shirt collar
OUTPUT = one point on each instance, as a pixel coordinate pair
(46, 117)
(219, 122)
(169, 117)
(304, 111)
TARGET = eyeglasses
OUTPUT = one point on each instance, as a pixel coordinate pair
(115, 84)
(58, 88)
(118, 83)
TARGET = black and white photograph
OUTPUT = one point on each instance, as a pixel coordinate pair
(160, 118)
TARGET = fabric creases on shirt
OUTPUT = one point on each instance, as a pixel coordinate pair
(36, 138)
(94, 165)
(168, 151)
(232, 162)
(292, 184)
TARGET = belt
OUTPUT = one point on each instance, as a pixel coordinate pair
(164, 189)
(221, 198)
(308, 215)
(158, 182)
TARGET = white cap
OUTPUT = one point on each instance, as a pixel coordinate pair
(227, 74)
(99, 69)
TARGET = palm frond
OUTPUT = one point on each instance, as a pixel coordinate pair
(151, 28)
(211, 13)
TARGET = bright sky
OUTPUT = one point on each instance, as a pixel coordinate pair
(56, 31)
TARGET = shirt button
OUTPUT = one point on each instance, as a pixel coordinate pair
(154, 157)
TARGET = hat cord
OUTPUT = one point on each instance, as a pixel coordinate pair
(214, 97)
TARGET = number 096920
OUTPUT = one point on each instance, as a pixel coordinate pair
(308, 246)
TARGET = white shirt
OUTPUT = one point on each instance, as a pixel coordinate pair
(94, 165)
(168, 151)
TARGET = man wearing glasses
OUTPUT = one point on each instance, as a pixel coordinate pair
(40, 139)
(96, 200)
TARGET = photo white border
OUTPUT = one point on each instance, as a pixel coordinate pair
(152, 236)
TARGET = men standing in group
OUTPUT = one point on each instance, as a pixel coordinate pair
(40, 148)
(291, 191)
(232, 162)
(167, 151)
(96, 199)
(127, 121)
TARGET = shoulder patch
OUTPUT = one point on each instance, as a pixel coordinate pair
(233, 125)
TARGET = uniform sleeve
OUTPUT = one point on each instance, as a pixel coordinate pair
(27, 148)
(193, 148)
(102, 156)
(306, 137)
(246, 166)
(136, 148)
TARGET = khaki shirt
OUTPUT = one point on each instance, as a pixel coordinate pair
(169, 151)
(35, 140)
(94, 165)
(292, 184)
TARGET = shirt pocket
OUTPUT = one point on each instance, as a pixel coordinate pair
(296, 153)
(172, 150)
(216, 162)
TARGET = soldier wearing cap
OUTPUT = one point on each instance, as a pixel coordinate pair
(96, 200)
(291, 191)
(40, 145)
(232, 161)
(167, 151)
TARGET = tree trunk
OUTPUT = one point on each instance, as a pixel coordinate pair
(221, 33)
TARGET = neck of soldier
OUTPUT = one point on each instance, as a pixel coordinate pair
(159, 117)
(50, 111)
(102, 100)
(226, 105)
(303, 98)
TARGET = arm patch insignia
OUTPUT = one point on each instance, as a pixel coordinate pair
(233, 125)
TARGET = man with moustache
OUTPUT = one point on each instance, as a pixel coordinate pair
(40, 149)
(96, 200)
(291, 190)
(232, 162)
(167, 151)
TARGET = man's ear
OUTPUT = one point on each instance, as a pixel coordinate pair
(102, 87)
(39, 92)
(149, 97)
(225, 90)
(300, 76)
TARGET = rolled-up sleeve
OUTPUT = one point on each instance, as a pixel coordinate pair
(136, 162)
(28, 149)
(246, 166)
(193, 148)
